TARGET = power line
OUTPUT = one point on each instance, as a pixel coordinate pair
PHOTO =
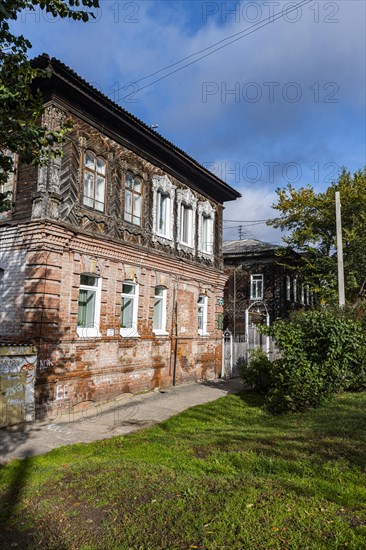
(250, 221)
(236, 36)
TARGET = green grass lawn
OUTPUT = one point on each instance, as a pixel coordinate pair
(221, 475)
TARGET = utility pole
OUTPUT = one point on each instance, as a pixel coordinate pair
(240, 229)
(341, 295)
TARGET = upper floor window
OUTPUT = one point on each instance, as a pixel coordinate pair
(133, 199)
(288, 287)
(159, 319)
(164, 193)
(163, 214)
(302, 293)
(129, 309)
(202, 304)
(295, 289)
(256, 287)
(207, 234)
(187, 204)
(89, 305)
(186, 225)
(94, 181)
(206, 228)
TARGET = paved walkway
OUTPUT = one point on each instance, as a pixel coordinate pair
(128, 414)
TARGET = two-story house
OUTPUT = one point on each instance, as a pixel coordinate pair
(261, 285)
(111, 257)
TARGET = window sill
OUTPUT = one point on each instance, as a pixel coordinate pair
(88, 332)
(129, 334)
(159, 332)
(167, 237)
(200, 333)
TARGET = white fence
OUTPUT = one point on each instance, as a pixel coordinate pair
(236, 350)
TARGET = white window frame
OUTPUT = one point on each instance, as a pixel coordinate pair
(161, 331)
(186, 199)
(204, 306)
(254, 279)
(206, 247)
(91, 332)
(162, 186)
(130, 332)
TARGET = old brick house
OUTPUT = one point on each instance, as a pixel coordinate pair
(111, 258)
(261, 286)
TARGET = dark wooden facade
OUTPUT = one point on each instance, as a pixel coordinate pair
(282, 291)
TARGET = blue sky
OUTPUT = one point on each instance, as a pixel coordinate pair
(284, 102)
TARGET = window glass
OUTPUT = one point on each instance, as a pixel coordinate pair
(94, 181)
(206, 234)
(186, 224)
(86, 308)
(129, 309)
(256, 287)
(133, 200)
(202, 314)
(162, 213)
(159, 317)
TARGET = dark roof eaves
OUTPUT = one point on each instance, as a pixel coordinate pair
(45, 61)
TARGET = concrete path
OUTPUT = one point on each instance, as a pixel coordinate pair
(125, 415)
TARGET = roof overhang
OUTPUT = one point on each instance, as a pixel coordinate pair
(90, 104)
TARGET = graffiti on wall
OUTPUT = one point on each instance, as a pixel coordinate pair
(17, 376)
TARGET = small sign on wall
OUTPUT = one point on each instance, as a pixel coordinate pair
(220, 301)
(110, 331)
(219, 321)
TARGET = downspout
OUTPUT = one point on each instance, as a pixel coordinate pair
(176, 342)
(174, 329)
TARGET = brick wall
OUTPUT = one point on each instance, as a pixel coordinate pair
(42, 264)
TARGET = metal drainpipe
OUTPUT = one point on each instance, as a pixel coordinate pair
(176, 342)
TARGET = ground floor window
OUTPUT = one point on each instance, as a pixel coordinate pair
(159, 318)
(89, 305)
(202, 304)
(129, 308)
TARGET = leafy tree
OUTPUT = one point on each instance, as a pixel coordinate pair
(21, 129)
(309, 218)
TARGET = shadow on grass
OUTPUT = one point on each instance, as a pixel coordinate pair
(9, 502)
(17, 526)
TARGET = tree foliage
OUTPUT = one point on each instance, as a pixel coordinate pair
(309, 218)
(21, 129)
